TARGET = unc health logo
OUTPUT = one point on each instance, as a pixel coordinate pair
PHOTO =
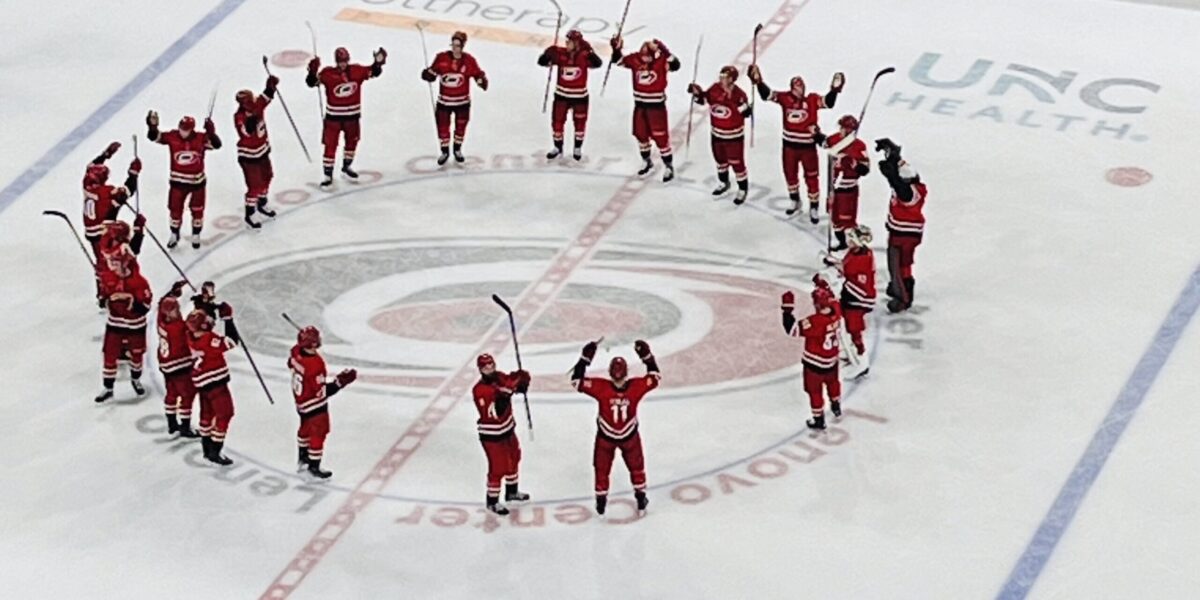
(345, 90)
(571, 73)
(186, 157)
(409, 313)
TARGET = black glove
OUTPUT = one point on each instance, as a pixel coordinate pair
(589, 351)
(819, 137)
(428, 75)
(888, 148)
(522, 382)
(642, 349)
(231, 332)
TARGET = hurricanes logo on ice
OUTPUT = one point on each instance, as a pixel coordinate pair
(404, 312)
(345, 90)
(186, 157)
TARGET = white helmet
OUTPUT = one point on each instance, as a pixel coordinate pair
(859, 236)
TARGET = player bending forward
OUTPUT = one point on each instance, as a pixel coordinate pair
(801, 133)
(454, 69)
(128, 298)
(649, 67)
(312, 395)
(617, 421)
(497, 430)
(820, 331)
(571, 91)
(188, 181)
(728, 109)
(343, 105)
(254, 149)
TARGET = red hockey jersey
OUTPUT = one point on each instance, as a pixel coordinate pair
(799, 115)
(908, 218)
(454, 77)
(821, 340)
(209, 368)
(126, 314)
(493, 400)
(572, 81)
(845, 162)
(618, 418)
(251, 126)
(343, 90)
(725, 111)
(858, 267)
(187, 155)
(100, 206)
(308, 382)
(174, 353)
(649, 78)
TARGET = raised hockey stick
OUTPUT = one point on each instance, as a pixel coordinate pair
(754, 63)
(512, 324)
(550, 71)
(137, 192)
(74, 232)
(862, 114)
(312, 35)
(212, 100)
(425, 53)
(829, 202)
(290, 321)
(687, 142)
(620, 28)
(287, 112)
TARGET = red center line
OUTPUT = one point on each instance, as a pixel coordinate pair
(534, 301)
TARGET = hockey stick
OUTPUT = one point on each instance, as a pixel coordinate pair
(74, 232)
(163, 249)
(829, 202)
(425, 53)
(137, 192)
(212, 101)
(312, 34)
(754, 63)
(512, 324)
(290, 321)
(687, 142)
(571, 371)
(862, 114)
(550, 71)
(285, 111)
(620, 28)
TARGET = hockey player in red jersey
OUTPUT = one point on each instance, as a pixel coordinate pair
(175, 363)
(210, 375)
(617, 421)
(188, 181)
(820, 331)
(343, 105)
(102, 201)
(127, 295)
(801, 133)
(728, 107)
(858, 287)
(905, 223)
(312, 393)
(571, 91)
(649, 67)
(497, 430)
(454, 70)
(850, 162)
(254, 148)
(117, 235)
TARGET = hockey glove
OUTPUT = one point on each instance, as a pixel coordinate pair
(346, 377)
(589, 352)
(788, 302)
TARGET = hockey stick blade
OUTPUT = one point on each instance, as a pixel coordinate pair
(290, 321)
(502, 304)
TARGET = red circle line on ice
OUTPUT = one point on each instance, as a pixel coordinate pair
(1128, 176)
(290, 59)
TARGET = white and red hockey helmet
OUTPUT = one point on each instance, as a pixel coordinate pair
(859, 235)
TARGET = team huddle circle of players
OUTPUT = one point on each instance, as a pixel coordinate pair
(191, 347)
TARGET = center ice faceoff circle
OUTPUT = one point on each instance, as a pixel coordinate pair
(407, 313)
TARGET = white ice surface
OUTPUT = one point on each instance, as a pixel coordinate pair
(1040, 285)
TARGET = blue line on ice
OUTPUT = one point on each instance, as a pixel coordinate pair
(1062, 512)
(118, 101)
